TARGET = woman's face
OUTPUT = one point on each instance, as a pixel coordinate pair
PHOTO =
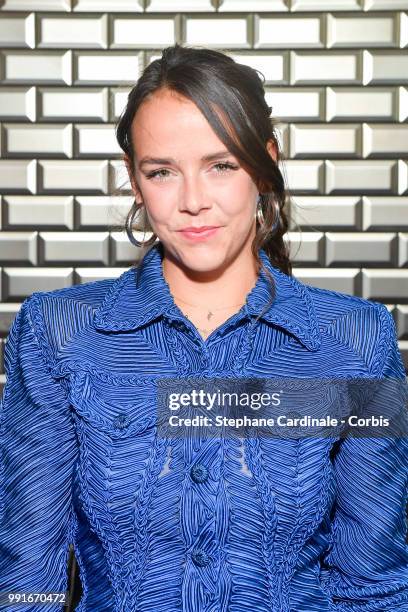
(183, 189)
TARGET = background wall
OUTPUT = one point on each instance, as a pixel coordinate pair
(336, 78)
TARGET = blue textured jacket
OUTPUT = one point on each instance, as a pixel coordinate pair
(261, 524)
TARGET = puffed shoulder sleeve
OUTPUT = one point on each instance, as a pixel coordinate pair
(37, 451)
(366, 566)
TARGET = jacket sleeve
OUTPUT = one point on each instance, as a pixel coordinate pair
(366, 567)
(37, 451)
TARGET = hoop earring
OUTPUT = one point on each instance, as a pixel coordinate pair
(260, 215)
(129, 231)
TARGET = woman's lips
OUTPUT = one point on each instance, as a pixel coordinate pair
(198, 236)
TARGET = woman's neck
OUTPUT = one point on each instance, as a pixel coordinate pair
(214, 290)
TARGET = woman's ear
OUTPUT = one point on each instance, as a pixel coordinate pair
(272, 150)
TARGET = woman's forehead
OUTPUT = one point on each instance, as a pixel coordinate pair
(174, 125)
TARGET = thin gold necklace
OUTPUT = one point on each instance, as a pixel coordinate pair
(210, 312)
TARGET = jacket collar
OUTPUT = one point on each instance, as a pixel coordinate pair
(135, 299)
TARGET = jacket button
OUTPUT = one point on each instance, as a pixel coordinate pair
(120, 421)
(200, 557)
(199, 473)
(178, 324)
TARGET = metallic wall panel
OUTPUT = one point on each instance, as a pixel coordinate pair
(73, 176)
(119, 177)
(105, 68)
(274, 66)
(317, 140)
(401, 316)
(305, 176)
(386, 67)
(403, 249)
(402, 104)
(179, 5)
(18, 175)
(336, 279)
(7, 313)
(37, 140)
(221, 32)
(343, 67)
(385, 4)
(63, 247)
(39, 5)
(379, 176)
(385, 140)
(118, 101)
(307, 248)
(93, 212)
(73, 104)
(347, 31)
(358, 103)
(18, 247)
(122, 250)
(256, 5)
(86, 275)
(137, 33)
(324, 5)
(381, 213)
(131, 6)
(290, 32)
(73, 32)
(18, 283)
(38, 211)
(336, 77)
(96, 141)
(343, 248)
(326, 212)
(36, 67)
(18, 103)
(17, 31)
(291, 104)
(390, 284)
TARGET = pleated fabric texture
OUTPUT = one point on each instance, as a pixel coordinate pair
(219, 524)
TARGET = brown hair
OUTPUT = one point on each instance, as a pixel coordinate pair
(232, 98)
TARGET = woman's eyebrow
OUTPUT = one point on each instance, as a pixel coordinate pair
(170, 160)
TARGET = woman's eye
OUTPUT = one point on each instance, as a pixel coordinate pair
(156, 173)
(222, 168)
(226, 166)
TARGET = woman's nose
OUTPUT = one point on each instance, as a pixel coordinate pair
(194, 199)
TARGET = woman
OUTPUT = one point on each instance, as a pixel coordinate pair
(197, 523)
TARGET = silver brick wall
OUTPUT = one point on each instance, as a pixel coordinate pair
(336, 78)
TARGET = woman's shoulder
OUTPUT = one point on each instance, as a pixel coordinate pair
(89, 293)
(362, 325)
(58, 315)
(331, 306)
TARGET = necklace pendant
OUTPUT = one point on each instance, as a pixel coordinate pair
(210, 314)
